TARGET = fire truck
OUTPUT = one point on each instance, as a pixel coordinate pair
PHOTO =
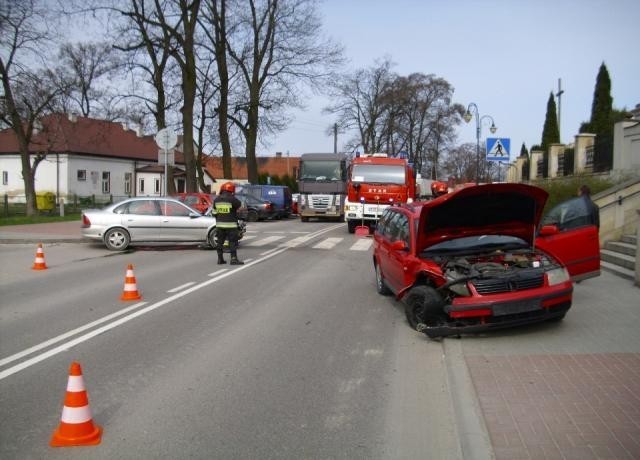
(376, 182)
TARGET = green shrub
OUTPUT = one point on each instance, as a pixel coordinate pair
(562, 189)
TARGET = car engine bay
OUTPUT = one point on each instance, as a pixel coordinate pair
(495, 272)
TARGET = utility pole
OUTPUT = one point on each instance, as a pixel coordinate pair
(559, 96)
(335, 138)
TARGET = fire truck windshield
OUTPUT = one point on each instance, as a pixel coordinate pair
(319, 170)
(380, 174)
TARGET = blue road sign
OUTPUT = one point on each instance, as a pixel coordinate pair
(498, 148)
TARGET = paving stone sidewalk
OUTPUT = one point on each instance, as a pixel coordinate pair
(576, 406)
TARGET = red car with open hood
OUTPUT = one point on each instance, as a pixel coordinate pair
(476, 258)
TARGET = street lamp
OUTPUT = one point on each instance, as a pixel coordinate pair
(467, 118)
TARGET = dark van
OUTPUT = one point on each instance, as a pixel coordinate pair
(279, 195)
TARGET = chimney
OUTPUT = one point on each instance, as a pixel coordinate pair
(37, 126)
(72, 117)
(124, 126)
(139, 131)
(278, 154)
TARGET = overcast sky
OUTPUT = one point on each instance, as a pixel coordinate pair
(504, 55)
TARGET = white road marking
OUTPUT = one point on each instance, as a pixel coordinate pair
(294, 243)
(71, 333)
(265, 241)
(362, 245)
(329, 243)
(216, 276)
(180, 288)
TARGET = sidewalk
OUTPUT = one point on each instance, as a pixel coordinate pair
(54, 232)
(569, 390)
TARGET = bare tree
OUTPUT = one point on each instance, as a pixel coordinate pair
(215, 28)
(28, 89)
(427, 117)
(460, 163)
(360, 104)
(83, 66)
(278, 49)
(153, 44)
(393, 113)
(208, 89)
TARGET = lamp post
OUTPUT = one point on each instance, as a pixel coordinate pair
(467, 118)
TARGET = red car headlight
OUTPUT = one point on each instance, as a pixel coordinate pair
(557, 276)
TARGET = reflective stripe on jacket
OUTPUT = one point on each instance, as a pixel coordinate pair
(225, 208)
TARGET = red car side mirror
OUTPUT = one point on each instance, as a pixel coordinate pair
(399, 245)
(548, 230)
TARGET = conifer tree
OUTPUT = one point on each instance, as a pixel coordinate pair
(523, 151)
(550, 132)
(602, 106)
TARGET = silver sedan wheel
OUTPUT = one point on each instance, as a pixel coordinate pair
(116, 239)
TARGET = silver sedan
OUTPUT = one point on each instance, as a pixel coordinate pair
(147, 219)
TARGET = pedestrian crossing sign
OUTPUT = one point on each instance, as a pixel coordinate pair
(498, 148)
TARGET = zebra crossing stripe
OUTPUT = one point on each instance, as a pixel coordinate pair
(265, 241)
(362, 245)
(328, 243)
(294, 243)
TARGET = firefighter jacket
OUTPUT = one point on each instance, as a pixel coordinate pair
(225, 208)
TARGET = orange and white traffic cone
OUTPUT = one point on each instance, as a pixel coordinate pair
(76, 425)
(39, 264)
(130, 288)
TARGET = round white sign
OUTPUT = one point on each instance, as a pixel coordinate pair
(166, 138)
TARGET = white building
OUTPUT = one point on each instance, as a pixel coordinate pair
(84, 157)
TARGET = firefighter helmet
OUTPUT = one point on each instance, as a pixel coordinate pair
(439, 188)
(228, 187)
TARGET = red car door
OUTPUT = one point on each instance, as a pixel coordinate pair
(397, 240)
(568, 234)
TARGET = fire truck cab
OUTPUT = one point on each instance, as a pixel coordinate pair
(374, 183)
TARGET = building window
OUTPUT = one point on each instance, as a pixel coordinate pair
(5, 177)
(127, 183)
(82, 175)
(106, 182)
(157, 182)
(141, 185)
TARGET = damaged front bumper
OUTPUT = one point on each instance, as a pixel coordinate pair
(454, 326)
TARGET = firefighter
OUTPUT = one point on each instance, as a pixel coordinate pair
(225, 208)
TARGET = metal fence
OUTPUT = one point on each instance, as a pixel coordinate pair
(16, 205)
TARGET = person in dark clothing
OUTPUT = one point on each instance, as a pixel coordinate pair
(593, 211)
(225, 208)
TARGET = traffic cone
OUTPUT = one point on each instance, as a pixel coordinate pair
(39, 264)
(130, 288)
(76, 425)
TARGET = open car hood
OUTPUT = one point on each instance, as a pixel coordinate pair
(505, 209)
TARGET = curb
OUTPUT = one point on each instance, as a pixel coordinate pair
(475, 443)
(34, 240)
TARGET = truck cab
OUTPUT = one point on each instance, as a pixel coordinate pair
(321, 186)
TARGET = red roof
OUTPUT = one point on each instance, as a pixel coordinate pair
(62, 133)
(82, 135)
(274, 166)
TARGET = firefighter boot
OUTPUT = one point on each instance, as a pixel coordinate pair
(234, 259)
(221, 258)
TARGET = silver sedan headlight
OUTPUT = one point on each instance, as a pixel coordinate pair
(557, 276)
